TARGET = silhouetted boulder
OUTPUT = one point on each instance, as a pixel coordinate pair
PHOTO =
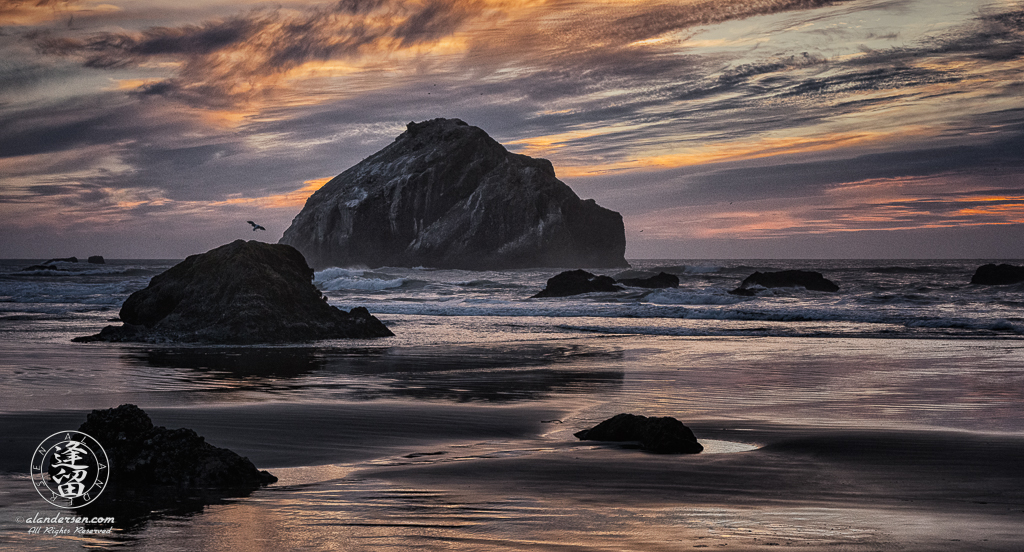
(787, 278)
(242, 292)
(665, 435)
(575, 282)
(97, 259)
(64, 260)
(445, 194)
(998, 275)
(142, 455)
(660, 280)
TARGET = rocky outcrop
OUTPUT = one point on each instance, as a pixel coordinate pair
(97, 259)
(659, 280)
(45, 267)
(142, 455)
(998, 275)
(665, 435)
(575, 282)
(446, 195)
(48, 265)
(813, 281)
(242, 292)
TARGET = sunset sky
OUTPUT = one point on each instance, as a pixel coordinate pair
(718, 128)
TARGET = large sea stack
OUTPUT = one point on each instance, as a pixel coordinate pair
(243, 292)
(444, 194)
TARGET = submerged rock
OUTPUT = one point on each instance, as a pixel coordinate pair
(664, 435)
(998, 275)
(444, 194)
(660, 280)
(142, 455)
(242, 292)
(807, 279)
(575, 282)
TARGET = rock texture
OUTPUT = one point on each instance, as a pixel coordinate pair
(998, 275)
(665, 435)
(242, 292)
(142, 455)
(787, 278)
(575, 282)
(446, 195)
(659, 280)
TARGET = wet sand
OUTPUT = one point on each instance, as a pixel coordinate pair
(392, 475)
(850, 445)
(804, 488)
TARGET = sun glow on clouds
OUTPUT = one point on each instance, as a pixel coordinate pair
(879, 204)
(36, 12)
(216, 110)
(290, 200)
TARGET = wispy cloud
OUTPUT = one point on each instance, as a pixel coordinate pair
(666, 111)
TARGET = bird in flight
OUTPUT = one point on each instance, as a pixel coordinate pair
(255, 226)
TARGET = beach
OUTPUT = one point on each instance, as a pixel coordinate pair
(838, 443)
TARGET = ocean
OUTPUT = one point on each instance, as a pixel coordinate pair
(885, 416)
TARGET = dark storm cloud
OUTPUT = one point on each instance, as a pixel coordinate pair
(44, 131)
(101, 119)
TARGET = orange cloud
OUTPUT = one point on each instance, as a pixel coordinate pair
(545, 146)
(290, 200)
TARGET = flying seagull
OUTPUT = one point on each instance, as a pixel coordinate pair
(255, 226)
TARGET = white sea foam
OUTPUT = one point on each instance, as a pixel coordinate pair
(676, 296)
(911, 302)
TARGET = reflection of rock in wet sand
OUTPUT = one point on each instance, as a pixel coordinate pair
(462, 374)
(155, 468)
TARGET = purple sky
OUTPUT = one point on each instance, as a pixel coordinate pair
(718, 128)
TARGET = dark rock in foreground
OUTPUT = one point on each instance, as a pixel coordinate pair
(444, 194)
(97, 259)
(998, 275)
(242, 292)
(813, 281)
(575, 282)
(665, 435)
(660, 280)
(142, 455)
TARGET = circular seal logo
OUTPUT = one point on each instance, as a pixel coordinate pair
(70, 469)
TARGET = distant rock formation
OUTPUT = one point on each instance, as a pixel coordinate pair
(97, 259)
(242, 292)
(575, 282)
(446, 195)
(659, 280)
(665, 435)
(998, 275)
(807, 279)
(46, 267)
(142, 455)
